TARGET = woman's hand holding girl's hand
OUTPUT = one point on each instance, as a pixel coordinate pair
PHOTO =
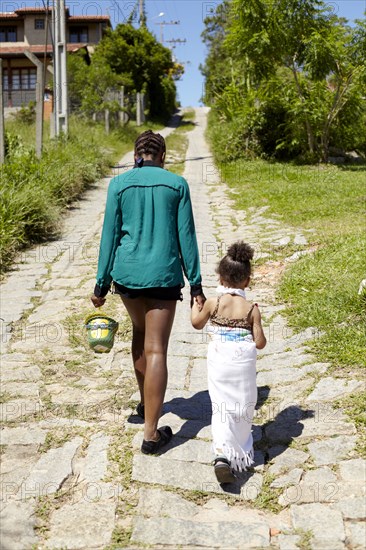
(199, 301)
(97, 301)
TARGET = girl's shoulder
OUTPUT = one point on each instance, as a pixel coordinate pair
(210, 304)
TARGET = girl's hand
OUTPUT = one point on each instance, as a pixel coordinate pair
(199, 301)
(97, 302)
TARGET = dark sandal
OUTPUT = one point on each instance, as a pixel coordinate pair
(152, 447)
(140, 409)
(223, 471)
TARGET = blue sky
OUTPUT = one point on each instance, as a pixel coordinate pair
(190, 14)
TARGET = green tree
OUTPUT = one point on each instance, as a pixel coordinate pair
(295, 62)
(142, 64)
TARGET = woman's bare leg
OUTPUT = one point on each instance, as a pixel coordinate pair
(136, 310)
(159, 319)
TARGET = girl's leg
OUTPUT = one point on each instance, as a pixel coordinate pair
(136, 310)
(159, 319)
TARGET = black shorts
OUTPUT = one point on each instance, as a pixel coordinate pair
(158, 292)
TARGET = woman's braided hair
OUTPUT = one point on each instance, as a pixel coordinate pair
(235, 267)
(149, 143)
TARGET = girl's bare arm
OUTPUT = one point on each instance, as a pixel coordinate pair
(200, 318)
(258, 334)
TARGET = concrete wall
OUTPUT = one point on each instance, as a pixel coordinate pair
(36, 36)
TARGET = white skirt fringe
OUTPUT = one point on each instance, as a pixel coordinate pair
(233, 392)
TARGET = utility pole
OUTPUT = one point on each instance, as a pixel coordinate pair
(60, 68)
(2, 118)
(142, 13)
(39, 100)
(162, 25)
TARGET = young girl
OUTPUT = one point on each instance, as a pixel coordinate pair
(236, 333)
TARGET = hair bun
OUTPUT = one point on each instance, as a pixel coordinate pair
(240, 252)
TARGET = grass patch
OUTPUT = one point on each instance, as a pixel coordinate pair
(177, 143)
(321, 288)
(268, 497)
(355, 407)
(34, 193)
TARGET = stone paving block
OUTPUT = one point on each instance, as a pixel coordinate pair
(352, 489)
(20, 389)
(283, 360)
(353, 470)
(292, 478)
(326, 524)
(18, 409)
(13, 358)
(16, 464)
(20, 373)
(162, 531)
(318, 485)
(352, 508)
(279, 376)
(289, 542)
(198, 375)
(189, 405)
(297, 423)
(328, 389)
(17, 522)
(156, 502)
(55, 310)
(356, 535)
(285, 459)
(177, 371)
(64, 395)
(23, 435)
(331, 451)
(192, 476)
(96, 460)
(89, 525)
(51, 470)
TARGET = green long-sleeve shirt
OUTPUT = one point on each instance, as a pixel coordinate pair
(148, 235)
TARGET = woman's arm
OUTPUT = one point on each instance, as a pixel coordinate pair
(110, 239)
(188, 241)
(258, 334)
(200, 317)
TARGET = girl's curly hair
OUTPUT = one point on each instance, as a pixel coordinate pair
(236, 265)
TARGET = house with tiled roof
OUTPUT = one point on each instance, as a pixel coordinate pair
(31, 29)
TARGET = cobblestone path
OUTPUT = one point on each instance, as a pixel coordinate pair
(73, 476)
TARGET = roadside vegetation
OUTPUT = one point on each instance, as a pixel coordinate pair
(34, 193)
(285, 82)
(321, 287)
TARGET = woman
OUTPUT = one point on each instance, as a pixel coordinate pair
(148, 239)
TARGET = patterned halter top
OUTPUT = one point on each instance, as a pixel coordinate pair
(244, 322)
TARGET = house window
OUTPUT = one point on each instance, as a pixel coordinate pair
(8, 34)
(79, 34)
(23, 79)
(39, 24)
(5, 79)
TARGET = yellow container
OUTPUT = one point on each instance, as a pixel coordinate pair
(100, 330)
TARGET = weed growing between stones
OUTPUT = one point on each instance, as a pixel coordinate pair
(5, 397)
(121, 537)
(268, 497)
(355, 407)
(305, 539)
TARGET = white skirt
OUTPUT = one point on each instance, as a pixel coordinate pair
(231, 367)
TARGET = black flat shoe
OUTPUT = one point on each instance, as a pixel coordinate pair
(140, 409)
(223, 471)
(152, 447)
